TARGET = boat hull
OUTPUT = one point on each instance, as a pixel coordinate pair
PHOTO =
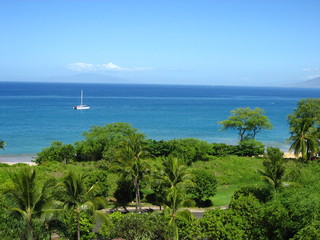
(81, 107)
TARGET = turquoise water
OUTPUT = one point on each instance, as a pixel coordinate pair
(34, 114)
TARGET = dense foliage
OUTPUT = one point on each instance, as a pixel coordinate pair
(264, 196)
(305, 128)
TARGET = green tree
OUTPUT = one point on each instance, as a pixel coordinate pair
(28, 198)
(101, 142)
(77, 198)
(304, 128)
(174, 173)
(205, 186)
(305, 141)
(2, 144)
(159, 148)
(308, 108)
(56, 152)
(249, 148)
(134, 226)
(273, 168)
(124, 193)
(218, 224)
(175, 178)
(190, 149)
(276, 222)
(247, 208)
(310, 232)
(176, 199)
(248, 122)
(132, 162)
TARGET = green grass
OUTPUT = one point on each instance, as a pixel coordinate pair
(223, 195)
(231, 172)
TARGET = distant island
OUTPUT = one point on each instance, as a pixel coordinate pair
(312, 83)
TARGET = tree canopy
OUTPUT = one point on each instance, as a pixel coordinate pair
(2, 144)
(304, 125)
(248, 122)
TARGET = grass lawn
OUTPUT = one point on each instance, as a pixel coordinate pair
(223, 195)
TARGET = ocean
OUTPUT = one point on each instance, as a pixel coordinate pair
(35, 114)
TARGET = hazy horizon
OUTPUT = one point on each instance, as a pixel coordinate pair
(229, 43)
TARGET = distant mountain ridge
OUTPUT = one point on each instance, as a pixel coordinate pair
(312, 83)
(77, 78)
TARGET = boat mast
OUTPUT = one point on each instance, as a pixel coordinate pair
(81, 97)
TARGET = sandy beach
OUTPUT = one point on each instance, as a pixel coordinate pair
(13, 159)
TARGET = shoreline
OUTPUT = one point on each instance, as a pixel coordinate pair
(28, 158)
(17, 158)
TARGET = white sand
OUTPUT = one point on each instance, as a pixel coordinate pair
(13, 159)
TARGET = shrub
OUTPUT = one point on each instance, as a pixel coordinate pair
(190, 150)
(263, 194)
(159, 148)
(250, 148)
(205, 186)
(56, 152)
(217, 224)
(310, 232)
(222, 149)
(135, 226)
(248, 208)
(100, 179)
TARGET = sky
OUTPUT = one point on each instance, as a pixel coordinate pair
(217, 42)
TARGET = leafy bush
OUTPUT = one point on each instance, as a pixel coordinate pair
(276, 221)
(101, 142)
(248, 208)
(205, 185)
(190, 150)
(86, 227)
(100, 179)
(263, 194)
(159, 148)
(250, 148)
(217, 224)
(56, 152)
(310, 232)
(135, 226)
(222, 149)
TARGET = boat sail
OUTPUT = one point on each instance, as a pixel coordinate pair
(81, 106)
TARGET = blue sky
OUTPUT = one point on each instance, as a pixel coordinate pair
(217, 42)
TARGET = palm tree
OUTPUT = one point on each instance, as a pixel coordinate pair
(132, 163)
(176, 178)
(175, 173)
(304, 139)
(273, 168)
(172, 173)
(176, 199)
(77, 198)
(27, 198)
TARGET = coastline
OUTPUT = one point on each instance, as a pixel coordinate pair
(18, 158)
(28, 158)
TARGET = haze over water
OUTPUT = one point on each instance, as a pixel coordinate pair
(35, 114)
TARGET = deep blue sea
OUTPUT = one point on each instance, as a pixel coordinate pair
(34, 114)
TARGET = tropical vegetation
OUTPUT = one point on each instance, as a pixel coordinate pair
(201, 190)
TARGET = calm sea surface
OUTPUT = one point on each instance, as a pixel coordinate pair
(34, 114)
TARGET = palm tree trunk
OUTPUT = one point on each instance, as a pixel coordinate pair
(29, 225)
(78, 224)
(138, 204)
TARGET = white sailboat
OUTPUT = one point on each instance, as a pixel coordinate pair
(81, 106)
